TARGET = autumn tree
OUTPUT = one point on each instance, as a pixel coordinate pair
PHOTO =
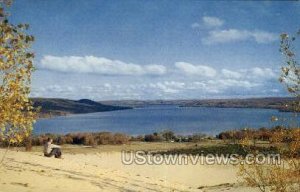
(290, 75)
(17, 114)
(285, 176)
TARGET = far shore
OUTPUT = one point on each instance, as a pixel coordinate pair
(54, 107)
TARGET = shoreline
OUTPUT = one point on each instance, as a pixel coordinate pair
(63, 107)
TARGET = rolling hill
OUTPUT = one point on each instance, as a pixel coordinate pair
(280, 103)
(57, 107)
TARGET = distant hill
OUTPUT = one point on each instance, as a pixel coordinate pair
(56, 107)
(267, 103)
(280, 103)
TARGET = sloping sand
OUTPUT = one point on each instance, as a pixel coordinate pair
(31, 171)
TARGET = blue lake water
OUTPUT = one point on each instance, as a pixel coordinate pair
(187, 120)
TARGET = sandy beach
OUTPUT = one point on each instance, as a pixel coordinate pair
(101, 169)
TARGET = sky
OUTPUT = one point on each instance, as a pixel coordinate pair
(114, 50)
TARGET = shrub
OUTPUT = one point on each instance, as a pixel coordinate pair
(152, 138)
(91, 139)
(120, 138)
(168, 135)
(88, 139)
(104, 138)
(137, 138)
(197, 137)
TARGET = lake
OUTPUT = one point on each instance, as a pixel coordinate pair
(181, 120)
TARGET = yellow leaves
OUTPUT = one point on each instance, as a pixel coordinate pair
(245, 142)
(281, 177)
(16, 112)
(284, 36)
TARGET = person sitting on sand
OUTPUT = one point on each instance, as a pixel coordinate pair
(51, 149)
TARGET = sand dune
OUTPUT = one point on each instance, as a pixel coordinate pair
(31, 171)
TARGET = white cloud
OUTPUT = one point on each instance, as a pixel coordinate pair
(208, 22)
(165, 88)
(250, 81)
(203, 87)
(232, 83)
(231, 74)
(262, 72)
(184, 80)
(254, 74)
(264, 37)
(199, 70)
(175, 84)
(224, 36)
(208, 87)
(234, 35)
(212, 21)
(97, 65)
(155, 69)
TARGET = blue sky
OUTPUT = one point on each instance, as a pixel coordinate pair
(107, 50)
